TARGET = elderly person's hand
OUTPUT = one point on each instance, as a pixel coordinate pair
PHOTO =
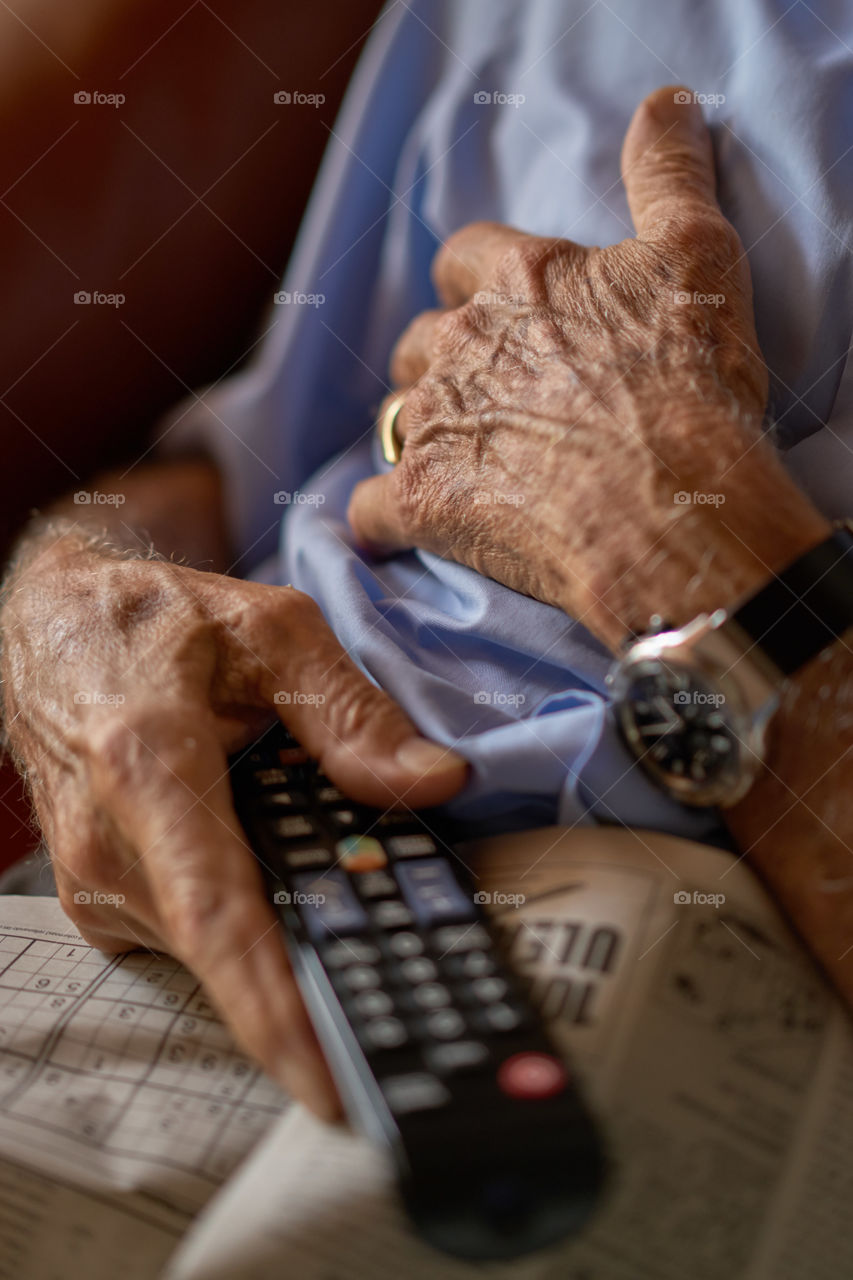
(127, 682)
(583, 424)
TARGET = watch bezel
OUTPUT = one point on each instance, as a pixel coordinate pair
(709, 651)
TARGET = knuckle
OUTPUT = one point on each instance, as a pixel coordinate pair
(697, 231)
(193, 915)
(452, 330)
(114, 754)
(146, 750)
(533, 269)
(705, 256)
(522, 264)
(682, 230)
(295, 613)
(358, 706)
(455, 246)
(290, 601)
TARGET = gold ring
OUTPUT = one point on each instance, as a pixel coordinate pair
(392, 449)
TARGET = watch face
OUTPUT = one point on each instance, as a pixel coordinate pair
(681, 729)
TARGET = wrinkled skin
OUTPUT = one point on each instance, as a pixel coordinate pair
(127, 683)
(593, 397)
(566, 394)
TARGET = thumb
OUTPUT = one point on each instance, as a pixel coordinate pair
(360, 736)
(667, 160)
(369, 747)
(374, 515)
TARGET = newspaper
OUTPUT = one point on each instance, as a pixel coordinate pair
(124, 1103)
(136, 1140)
(717, 1059)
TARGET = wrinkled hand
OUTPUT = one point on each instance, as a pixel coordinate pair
(561, 406)
(127, 683)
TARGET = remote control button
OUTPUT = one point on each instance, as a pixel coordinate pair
(497, 1017)
(396, 820)
(360, 977)
(271, 778)
(327, 903)
(457, 1057)
(338, 955)
(532, 1075)
(291, 756)
(296, 826)
(383, 1033)
(402, 945)
(444, 1024)
(375, 884)
(299, 859)
(329, 795)
(373, 1004)
(434, 894)
(415, 1091)
(390, 915)
(488, 990)
(361, 853)
(429, 995)
(284, 800)
(344, 819)
(471, 964)
(418, 969)
(461, 937)
(417, 846)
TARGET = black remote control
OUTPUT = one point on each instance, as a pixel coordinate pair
(432, 1041)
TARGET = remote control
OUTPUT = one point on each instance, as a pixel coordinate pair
(436, 1050)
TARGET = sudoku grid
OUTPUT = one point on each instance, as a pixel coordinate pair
(127, 1055)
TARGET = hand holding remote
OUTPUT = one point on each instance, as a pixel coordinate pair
(127, 682)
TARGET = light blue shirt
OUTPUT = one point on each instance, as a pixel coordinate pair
(514, 685)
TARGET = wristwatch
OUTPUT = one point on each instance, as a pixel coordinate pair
(694, 703)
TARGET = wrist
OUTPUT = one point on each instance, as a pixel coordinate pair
(715, 531)
(795, 824)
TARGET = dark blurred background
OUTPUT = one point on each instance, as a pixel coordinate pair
(185, 198)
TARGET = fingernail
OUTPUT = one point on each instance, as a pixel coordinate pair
(683, 113)
(419, 756)
(675, 108)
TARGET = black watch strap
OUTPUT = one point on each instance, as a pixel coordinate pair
(805, 607)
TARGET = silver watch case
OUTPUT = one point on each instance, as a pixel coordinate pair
(714, 649)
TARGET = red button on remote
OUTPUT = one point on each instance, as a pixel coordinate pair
(532, 1075)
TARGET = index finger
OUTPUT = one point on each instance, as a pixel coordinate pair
(168, 791)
